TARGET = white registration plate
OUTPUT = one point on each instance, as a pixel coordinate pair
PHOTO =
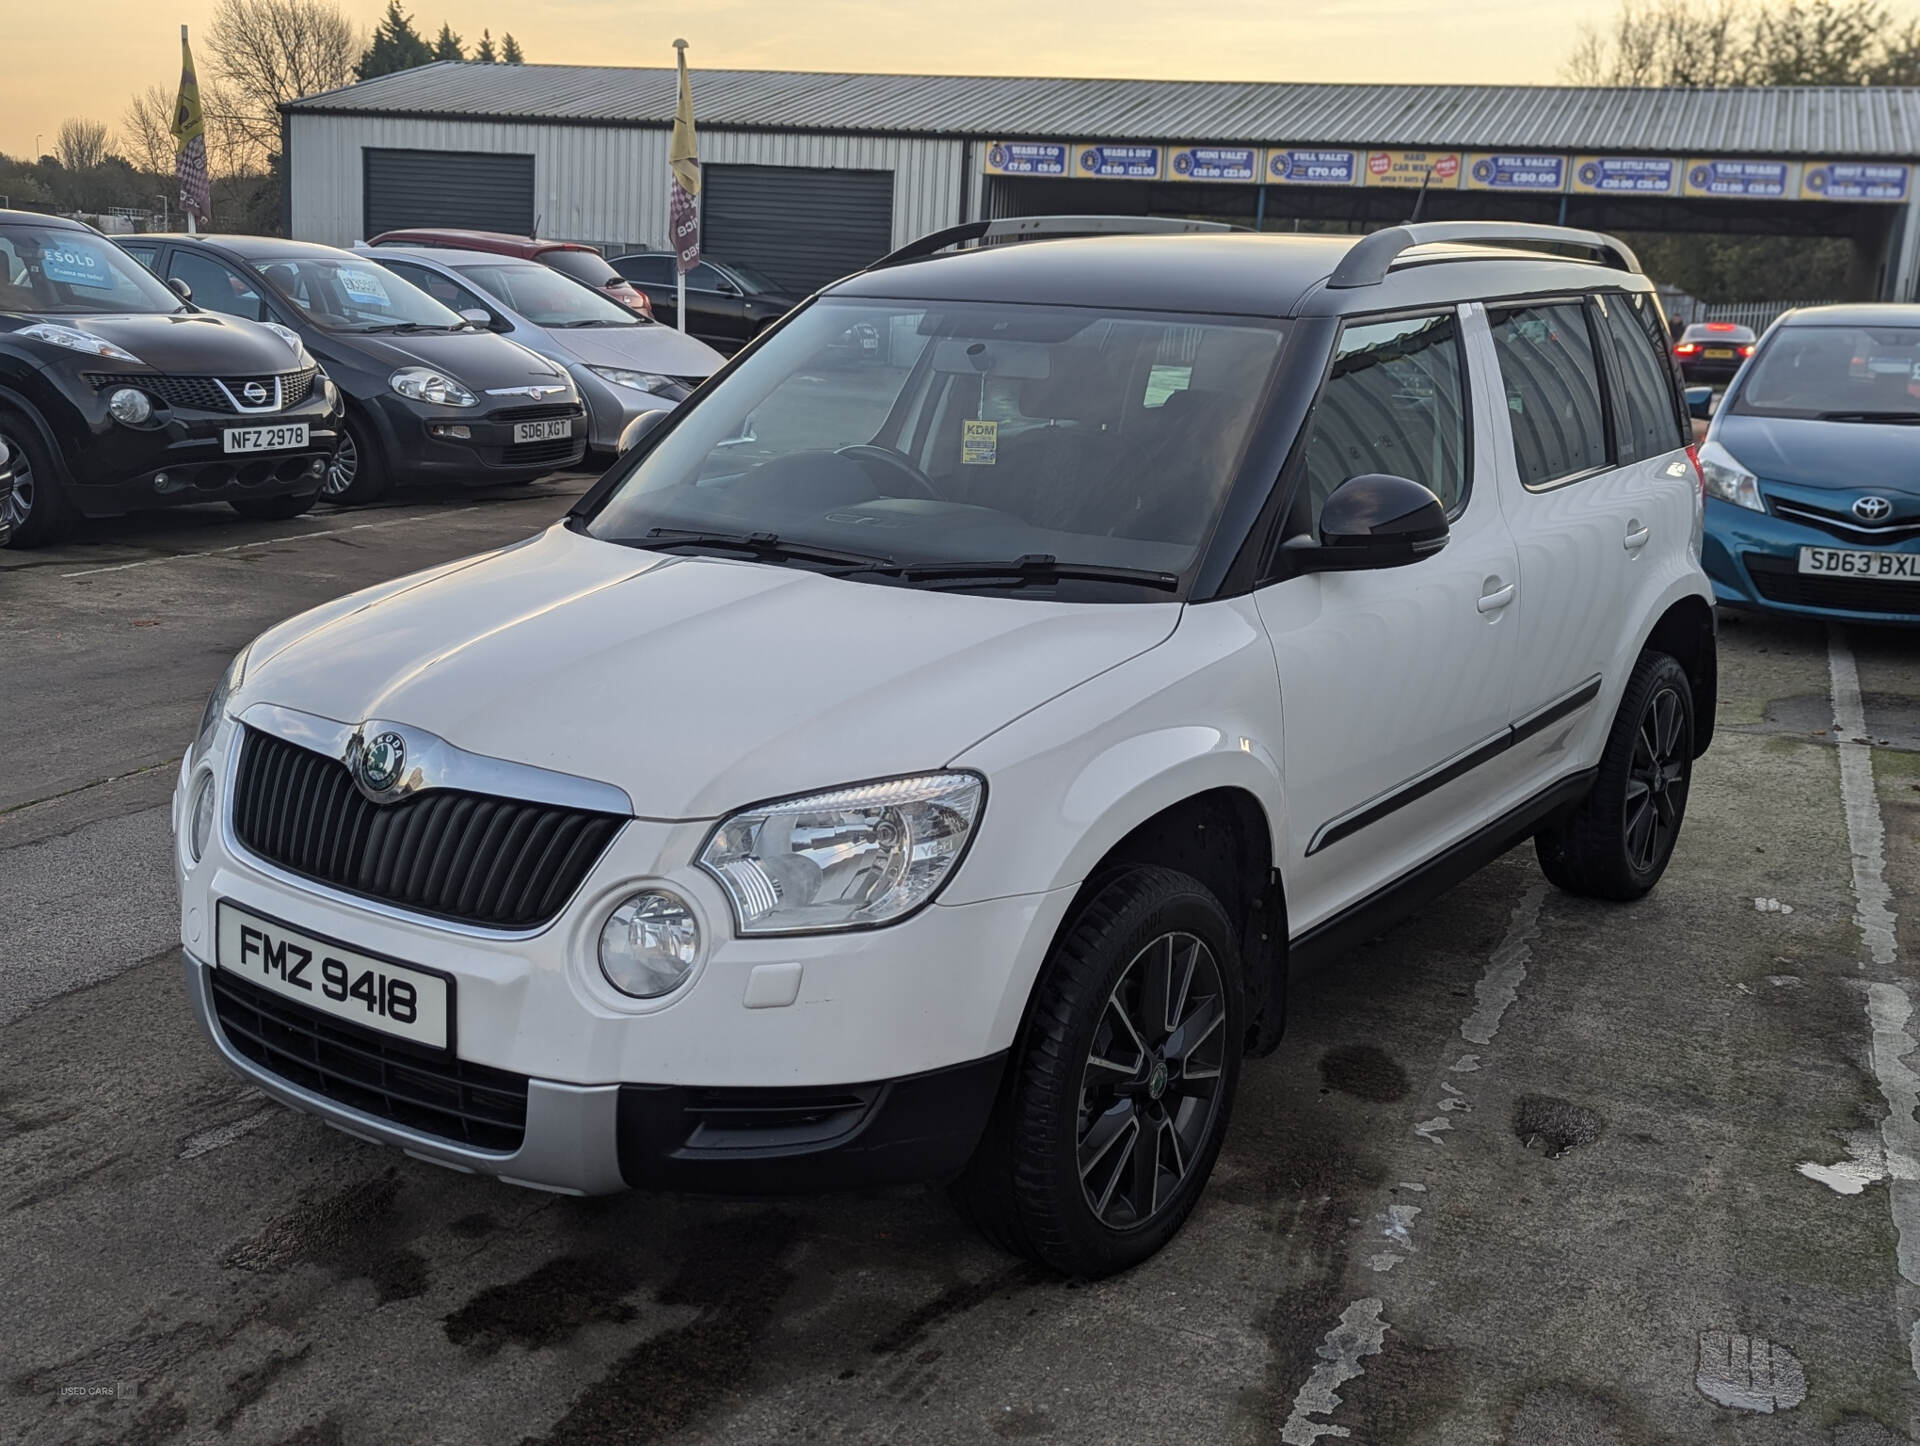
(333, 980)
(555, 430)
(265, 439)
(1847, 562)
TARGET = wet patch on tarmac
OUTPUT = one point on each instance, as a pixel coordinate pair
(546, 1307)
(955, 1300)
(324, 1432)
(1364, 1071)
(474, 1226)
(1553, 1125)
(161, 1419)
(1566, 1415)
(734, 1269)
(1895, 720)
(249, 1386)
(352, 1233)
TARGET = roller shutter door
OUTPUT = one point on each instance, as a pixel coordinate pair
(476, 189)
(801, 226)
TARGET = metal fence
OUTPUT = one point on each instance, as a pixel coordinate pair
(1757, 314)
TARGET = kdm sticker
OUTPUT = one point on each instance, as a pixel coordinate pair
(978, 442)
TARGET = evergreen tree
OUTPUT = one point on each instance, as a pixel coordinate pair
(396, 45)
(483, 52)
(447, 46)
(510, 50)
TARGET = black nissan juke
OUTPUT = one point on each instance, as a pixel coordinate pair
(118, 395)
(429, 393)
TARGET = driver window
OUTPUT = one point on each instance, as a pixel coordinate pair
(1395, 403)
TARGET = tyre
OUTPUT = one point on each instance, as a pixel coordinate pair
(358, 473)
(37, 507)
(1118, 1093)
(273, 509)
(1616, 843)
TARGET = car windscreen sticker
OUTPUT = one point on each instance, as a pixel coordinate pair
(76, 264)
(364, 286)
(979, 441)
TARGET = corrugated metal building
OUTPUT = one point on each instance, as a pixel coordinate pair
(812, 174)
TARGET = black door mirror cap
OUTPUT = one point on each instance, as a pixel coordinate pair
(180, 288)
(1372, 521)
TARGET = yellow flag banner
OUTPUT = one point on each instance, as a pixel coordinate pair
(190, 137)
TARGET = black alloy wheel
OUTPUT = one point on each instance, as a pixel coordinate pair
(1615, 843)
(357, 473)
(36, 508)
(1151, 1082)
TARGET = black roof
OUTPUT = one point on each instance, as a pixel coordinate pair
(60, 223)
(250, 248)
(1864, 314)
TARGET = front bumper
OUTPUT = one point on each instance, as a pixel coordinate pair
(1752, 559)
(423, 445)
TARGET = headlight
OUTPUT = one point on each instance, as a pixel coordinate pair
(130, 406)
(422, 385)
(217, 706)
(200, 819)
(74, 339)
(851, 857)
(652, 382)
(649, 943)
(1728, 480)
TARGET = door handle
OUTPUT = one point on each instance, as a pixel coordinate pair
(1637, 534)
(1492, 602)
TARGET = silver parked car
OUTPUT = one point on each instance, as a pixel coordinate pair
(624, 365)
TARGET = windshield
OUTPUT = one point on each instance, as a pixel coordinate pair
(1817, 371)
(53, 271)
(754, 282)
(942, 432)
(588, 266)
(545, 297)
(344, 293)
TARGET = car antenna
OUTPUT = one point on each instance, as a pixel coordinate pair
(1421, 199)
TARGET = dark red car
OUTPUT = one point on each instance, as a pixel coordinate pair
(570, 258)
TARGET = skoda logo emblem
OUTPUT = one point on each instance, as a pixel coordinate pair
(1872, 509)
(1157, 1081)
(255, 394)
(382, 761)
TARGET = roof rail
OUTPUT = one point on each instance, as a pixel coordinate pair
(1373, 256)
(1033, 228)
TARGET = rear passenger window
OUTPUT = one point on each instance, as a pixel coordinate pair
(1395, 403)
(1552, 382)
(1646, 421)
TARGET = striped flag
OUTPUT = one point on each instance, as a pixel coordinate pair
(683, 201)
(190, 137)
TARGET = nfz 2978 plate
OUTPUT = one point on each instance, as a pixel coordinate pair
(360, 988)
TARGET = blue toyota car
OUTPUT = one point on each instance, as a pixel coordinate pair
(1812, 469)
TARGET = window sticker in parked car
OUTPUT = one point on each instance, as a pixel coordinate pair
(979, 441)
(76, 265)
(364, 286)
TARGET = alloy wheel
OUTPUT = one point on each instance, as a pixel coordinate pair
(1656, 780)
(19, 505)
(1150, 1087)
(344, 467)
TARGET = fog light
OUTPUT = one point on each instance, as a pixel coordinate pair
(129, 406)
(316, 466)
(160, 482)
(648, 944)
(201, 828)
(452, 430)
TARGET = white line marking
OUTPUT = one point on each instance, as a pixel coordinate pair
(1361, 1333)
(268, 542)
(1749, 1373)
(1506, 968)
(1865, 831)
(220, 1136)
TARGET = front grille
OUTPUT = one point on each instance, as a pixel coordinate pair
(505, 863)
(528, 454)
(538, 414)
(1778, 579)
(470, 1104)
(1843, 525)
(203, 394)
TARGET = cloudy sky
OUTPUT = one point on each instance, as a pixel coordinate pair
(87, 59)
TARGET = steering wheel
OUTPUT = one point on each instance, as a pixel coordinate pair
(868, 452)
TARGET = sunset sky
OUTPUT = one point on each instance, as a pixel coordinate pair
(87, 59)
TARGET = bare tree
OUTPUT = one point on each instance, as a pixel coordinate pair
(80, 145)
(1725, 42)
(269, 51)
(146, 131)
(1817, 42)
(1666, 43)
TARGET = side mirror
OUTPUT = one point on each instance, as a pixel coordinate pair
(1372, 521)
(1700, 403)
(637, 430)
(181, 289)
(480, 317)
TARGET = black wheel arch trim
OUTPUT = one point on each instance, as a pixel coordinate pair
(15, 401)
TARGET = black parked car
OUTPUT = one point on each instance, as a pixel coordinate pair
(1712, 351)
(428, 392)
(727, 305)
(117, 394)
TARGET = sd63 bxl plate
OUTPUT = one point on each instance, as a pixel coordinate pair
(362, 989)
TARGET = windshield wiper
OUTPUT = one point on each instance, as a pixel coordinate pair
(1035, 567)
(1869, 417)
(764, 546)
